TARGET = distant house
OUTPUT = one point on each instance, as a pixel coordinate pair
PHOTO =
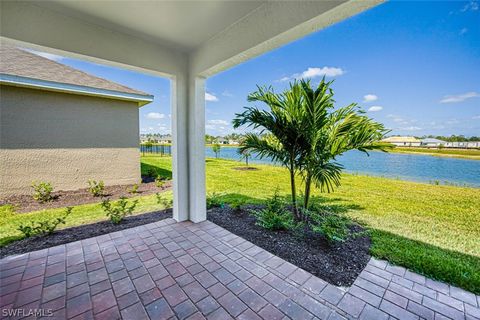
(431, 142)
(64, 126)
(403, 141)
(463, 144)
(221, 141)
(233, 142)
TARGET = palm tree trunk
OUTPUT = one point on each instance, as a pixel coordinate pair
(308, 185)
(294, 192)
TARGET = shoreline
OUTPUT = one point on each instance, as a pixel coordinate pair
(437, 154)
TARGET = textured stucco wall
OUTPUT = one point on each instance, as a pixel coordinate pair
(65, 139)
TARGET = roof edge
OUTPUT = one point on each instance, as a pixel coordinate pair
(20, 81)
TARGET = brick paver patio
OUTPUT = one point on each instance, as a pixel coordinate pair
(183, 270)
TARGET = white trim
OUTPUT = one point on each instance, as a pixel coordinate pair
(73, 88)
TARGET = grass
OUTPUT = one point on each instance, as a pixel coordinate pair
(473, 154)
(430, 229)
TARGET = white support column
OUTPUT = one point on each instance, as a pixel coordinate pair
(196, 144)
(188, 154)
(179, 109)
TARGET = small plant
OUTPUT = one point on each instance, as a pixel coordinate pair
(96, 188)
(42, 191)
(214, 200)
(163, 201)
(160, 181)
(117, 211)
(134, 189)
(237, 204)
(274, 216)
(43, 228)
(333, 227)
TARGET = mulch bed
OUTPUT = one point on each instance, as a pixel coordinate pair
(81, 232)
(338, 263)
(26, 203)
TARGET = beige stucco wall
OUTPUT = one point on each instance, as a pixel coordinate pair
(65, 139)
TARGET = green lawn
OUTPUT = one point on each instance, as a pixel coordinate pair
(473, 154)
(431, 229)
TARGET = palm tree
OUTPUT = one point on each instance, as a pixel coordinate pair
(303, 132)
(328, 134)
(279, 127)
(244, 154)
(216, 149)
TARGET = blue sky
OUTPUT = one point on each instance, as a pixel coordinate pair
(414, 66)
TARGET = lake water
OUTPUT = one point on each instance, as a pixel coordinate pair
(422, 168)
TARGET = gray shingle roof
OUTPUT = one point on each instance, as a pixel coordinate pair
(19, 62)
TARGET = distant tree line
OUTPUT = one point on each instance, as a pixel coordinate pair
(453, 138)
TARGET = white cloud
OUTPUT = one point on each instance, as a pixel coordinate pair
(463, 31)
(476, 117)
(369, 98)
(459, 97)
(47, 55)
(320, 72)
(375, 108)
(217, 122)
(155, 115)
(471, 6)
(227, 93)
(314, 72)
(411, 128)
(210, 97)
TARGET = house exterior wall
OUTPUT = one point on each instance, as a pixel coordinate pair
(65, 139)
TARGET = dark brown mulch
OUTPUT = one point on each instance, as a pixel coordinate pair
(339, 264)
(246, 168)
(26, 203)
(81, 232)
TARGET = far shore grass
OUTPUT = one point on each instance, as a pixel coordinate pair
(472, 154)
(430, 229)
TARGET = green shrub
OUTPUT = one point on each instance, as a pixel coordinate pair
(42, 191)
(96, 188)
(214, 200)
(237, 204)
(160, 181)
(42, 228)
(134, 189)
(274, 216)
(333, 227)
(117, 211)
(163, 201)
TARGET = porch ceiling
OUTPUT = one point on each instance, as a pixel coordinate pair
(183, 25)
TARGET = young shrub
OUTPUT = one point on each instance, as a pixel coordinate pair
(44, 228)
(134, 189)
(117, 211)
(96, 188)
(333, 227)
(160, 181)
(42, 191)
(237, 204)
(214, 200)
(163, 201)
(274, 216)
